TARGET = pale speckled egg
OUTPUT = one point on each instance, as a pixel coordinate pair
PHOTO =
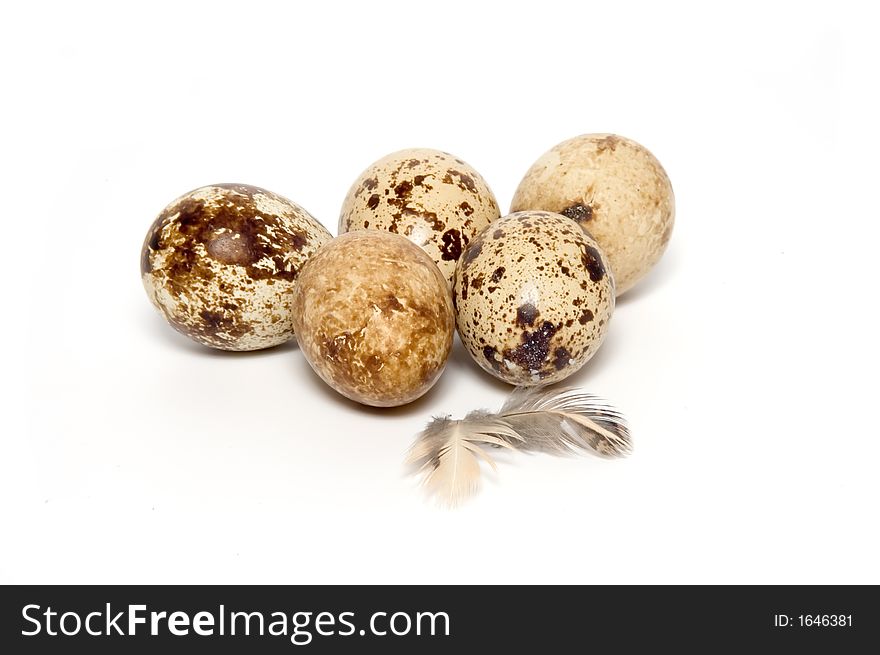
(533, 295)
(431, 197)
(616, 189)
(220, 262)
(373, 317)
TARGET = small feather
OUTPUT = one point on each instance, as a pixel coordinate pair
(448, 452)
(566, 420)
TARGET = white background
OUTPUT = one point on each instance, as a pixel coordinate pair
(747, 362)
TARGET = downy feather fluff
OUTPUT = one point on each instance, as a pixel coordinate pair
(560, 421)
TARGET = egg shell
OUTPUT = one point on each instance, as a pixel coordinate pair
(533, 295)
(431, 197)
(220, 262)
(373, 317)
(616, 189)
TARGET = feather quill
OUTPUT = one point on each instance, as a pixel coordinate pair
(561, 421)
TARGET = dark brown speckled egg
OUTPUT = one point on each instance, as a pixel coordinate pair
(220, 262)
(432, 198)
(533, 295)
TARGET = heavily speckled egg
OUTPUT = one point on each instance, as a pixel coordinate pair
(373, 317)
(220, 262)
(433, 198)
(533, 295)
(616, 189)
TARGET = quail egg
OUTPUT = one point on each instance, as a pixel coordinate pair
(431, 197)
(220, 262)
(373, 317)
(533, 295)
(616, 189)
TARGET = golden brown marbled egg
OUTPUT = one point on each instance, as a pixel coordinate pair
(533, 295)
(431, 197)
(220, 262)
(373, 317)
(616, 189)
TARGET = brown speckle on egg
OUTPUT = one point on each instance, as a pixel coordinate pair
(616, 189)
(434, 199)
(374, 318)
(219, 263)
(552, 285)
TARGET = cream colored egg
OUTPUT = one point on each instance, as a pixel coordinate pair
(373, 317)
(616, 189)
(220, 262)
(431, 197)
(533, 295)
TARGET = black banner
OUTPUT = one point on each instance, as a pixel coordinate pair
(342, 619)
